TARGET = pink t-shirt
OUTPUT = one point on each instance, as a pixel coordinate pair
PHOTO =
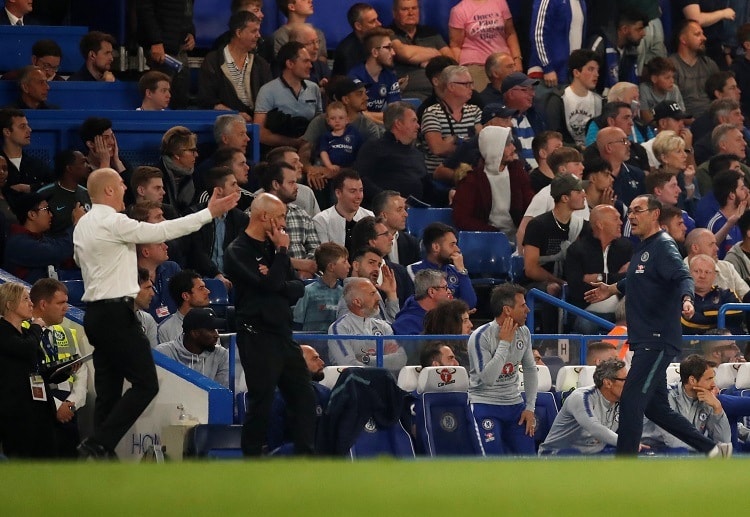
(483, 24)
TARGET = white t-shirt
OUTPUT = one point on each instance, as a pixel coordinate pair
(500, 212)
(578, 111)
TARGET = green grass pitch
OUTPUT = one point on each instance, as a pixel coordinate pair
(605, 487)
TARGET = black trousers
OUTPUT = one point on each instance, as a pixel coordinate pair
(121, 351)
(271, 360)
(645, 392)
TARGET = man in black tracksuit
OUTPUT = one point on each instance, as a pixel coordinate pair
(659, 288)
(266, 286)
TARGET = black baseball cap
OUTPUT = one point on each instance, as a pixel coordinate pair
(666, 109)
(343, 86)
(496, 109)
(203, 318)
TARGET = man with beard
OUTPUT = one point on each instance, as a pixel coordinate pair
(693, 66)
(368, 263)
(96, 48)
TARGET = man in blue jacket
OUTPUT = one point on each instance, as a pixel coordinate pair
(430, 288)
(659, 289)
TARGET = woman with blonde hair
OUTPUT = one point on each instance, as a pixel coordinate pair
(669, 149)
(27, 425)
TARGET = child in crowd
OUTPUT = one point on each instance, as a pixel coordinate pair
(339, 146)
(317, 309)
(657, 84)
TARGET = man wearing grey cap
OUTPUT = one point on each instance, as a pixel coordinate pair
(197, 347)
(518, 94)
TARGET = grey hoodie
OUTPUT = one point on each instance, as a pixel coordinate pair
(213, 364)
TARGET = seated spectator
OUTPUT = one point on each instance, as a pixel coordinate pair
(362, 299)
(741, 65)
(30, 252)
(542, 146)
(196, 347)
(731, 194)
(601, 255)
(663, 185)
(599, 351)
(701, 241)
(725, 111)
(497, 67)
(178, 154)
(47, 55)
(433, 70)
(390, 207)
(308, 35)
(589, 419)
(285, 106)
(731, 153)
(155, 89)
(626, 93)
(335, 224)
(102, 151)
(616, 48)
(737, 255)
(657, 87)
(720, 86)
(668, 117)
(543, 243)
(147, 184)
(437, 353)
(430, 288)
(442, 253)
(518, 94)
(251, 6)
(231, 77)
(188, 289)
(693, 398)
(7, 217)
(451, 317)
(339, 146)
(96, 49)
(207, 246)
(372, 233)
(672, 221)
(154, 258)
(16, 13)
(25, 173)
(142, 303)
(392, 162)
(495, 198)
(721, 351)
(66, 194)
(280, 179)
(230, 131)
(33, 89)
(615, 148)
(708, 298)
(351, 51)
(305, 196)
(368, 263)
(316, 310)
(375, 72)
(235, 160)
(693, 67)
(599, 189)
(415, 44)
(620, 115)
(570, 111)
(296, 12)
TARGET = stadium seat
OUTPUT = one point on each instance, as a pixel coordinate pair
(444, 421)
(586, 376)
(408, 378)
(219, 297)
(726, 374)
(544, 378)
(486, 256)
(413, 101)
(241, 401)
(215, 441)
(567, 378)
(389, 441)
(331, 375)
(547, 405)
(75, 292)
(69, 274)
(673, 373)
(419, 218)
(742, 382)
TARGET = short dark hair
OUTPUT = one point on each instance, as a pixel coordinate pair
(182, 282)
(143, 275)
(579, 58)
(695, 366)
(612, 109)
(435, 231)
(744, 223)
(355, 12)
(363, 232)
(150, 81)
(381, 199)
(215, 177)
(679, 28)
(92, 127)
(288, 52)
(238, 21)
(283, 6)
(238, 5)
(437, 64)
(267, 173)
(717, 81)
(361, 252)
(720, 162)
(668, 213)
(46, 47)
(223, 156)
(504, 295)
(92, 42)
(7, 115)
(594, 164)
(658, 179)
(541, 139)
(143, 174)
(656, 66)
(446, 318)
(431, 352)
(328, 253)
(45, 289)
(337, 183)
(724, 183)
(63, 160)
(743, 33)
(630, 16)
(277, 153)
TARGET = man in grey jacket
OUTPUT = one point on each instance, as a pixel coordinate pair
(197, 346)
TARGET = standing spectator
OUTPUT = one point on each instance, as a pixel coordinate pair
(25, 173)
(390, 207)
(659, 288)
(350, 51)
(316, 310)
(296, 12)
(657, 86)
(496, 350)
(66, 194)
(15, 13)
(231, 77)
(477, 28)
(188, 289)
(711, 17)
(166, 28)
(266, 287)
(381, 83)
(741, 66)
(96, 48)
(557, 30)
(179, 150)
(335, 224)
(617, 50)
(693, 67)
(33, 89)
(156, 90)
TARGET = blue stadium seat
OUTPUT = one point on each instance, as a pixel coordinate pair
(215, 441)
(69, 274)
(219, 297)
(444, 421)
(374, 441)
(75, 292)
(419, 218)
(486, 256)
(413, 101)
(547, 405)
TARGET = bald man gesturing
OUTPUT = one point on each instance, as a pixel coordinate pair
(104, 247)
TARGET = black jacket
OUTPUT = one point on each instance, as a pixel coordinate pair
(201, 243)
(215, 88)
(33, 172)
(164, 21)
(408, 249)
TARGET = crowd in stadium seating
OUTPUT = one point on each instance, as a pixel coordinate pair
(548, 148)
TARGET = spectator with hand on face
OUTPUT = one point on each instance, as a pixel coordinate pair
(96, 48)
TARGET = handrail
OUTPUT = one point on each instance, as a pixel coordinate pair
(721, 319)
(535, 293)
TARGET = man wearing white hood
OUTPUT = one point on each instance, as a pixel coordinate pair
(495, 198)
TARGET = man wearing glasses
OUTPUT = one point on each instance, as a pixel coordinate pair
(518, 93)
(661, 289)
(588, 421)
(430, 288)
(614, 148)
